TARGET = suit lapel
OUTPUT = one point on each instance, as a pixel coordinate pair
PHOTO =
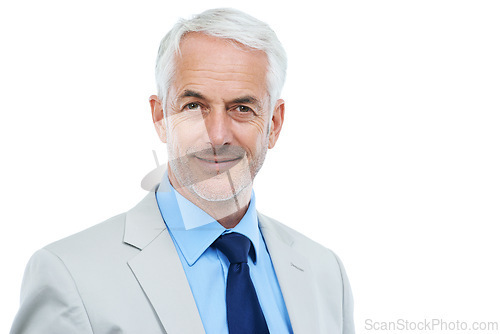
(294, 277)
(158, 269)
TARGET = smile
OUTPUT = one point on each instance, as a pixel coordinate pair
(218, 160)
(217, 165)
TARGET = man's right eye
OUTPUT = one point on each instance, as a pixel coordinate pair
(192, 106)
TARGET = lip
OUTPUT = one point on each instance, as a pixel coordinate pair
(216, 160)
(217, 164)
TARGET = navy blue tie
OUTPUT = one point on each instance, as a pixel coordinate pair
(244, 315)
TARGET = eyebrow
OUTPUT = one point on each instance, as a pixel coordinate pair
(191, 93)
(248, 99)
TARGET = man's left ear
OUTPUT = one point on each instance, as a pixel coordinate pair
(276, 122)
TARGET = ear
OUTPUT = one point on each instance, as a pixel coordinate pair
(276, 122)
(157, 113)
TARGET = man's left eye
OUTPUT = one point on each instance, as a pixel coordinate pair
(242, 113)
(243, 109)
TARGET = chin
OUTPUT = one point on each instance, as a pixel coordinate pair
(219, 188)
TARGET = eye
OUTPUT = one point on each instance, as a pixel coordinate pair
(243, 109)
(242, 113)
(192, 106)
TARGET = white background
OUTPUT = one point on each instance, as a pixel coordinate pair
(390, 152)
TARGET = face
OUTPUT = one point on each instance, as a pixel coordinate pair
(217, 127)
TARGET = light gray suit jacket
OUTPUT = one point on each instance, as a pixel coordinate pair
(124, 276)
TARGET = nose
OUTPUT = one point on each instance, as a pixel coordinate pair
(218, 125)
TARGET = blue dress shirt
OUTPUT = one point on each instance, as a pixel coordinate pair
(193, 231)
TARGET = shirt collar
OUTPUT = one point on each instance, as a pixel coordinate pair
(193, 229)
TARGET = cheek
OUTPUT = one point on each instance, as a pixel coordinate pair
(253, 136)
(184, 131)
(259, 124)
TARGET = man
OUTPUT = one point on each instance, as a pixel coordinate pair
(194, 255)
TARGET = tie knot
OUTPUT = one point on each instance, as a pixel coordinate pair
(235, 247)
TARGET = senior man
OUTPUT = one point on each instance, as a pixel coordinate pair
(194, 255)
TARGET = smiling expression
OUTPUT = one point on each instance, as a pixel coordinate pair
(217, 117)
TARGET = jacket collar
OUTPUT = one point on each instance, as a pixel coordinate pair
(143, 222)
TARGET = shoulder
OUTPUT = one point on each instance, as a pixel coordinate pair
(322, 260)
(107, 234)
(294, 238)
(58, 278)
(122, 234)
(64, 282)
(326, 271)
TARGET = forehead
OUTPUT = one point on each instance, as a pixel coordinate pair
(211, 58)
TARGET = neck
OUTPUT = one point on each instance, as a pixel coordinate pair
(228, 212)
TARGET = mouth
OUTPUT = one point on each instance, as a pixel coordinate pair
(217, 160)
(217, 164)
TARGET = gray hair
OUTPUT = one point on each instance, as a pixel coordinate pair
(226, 23)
